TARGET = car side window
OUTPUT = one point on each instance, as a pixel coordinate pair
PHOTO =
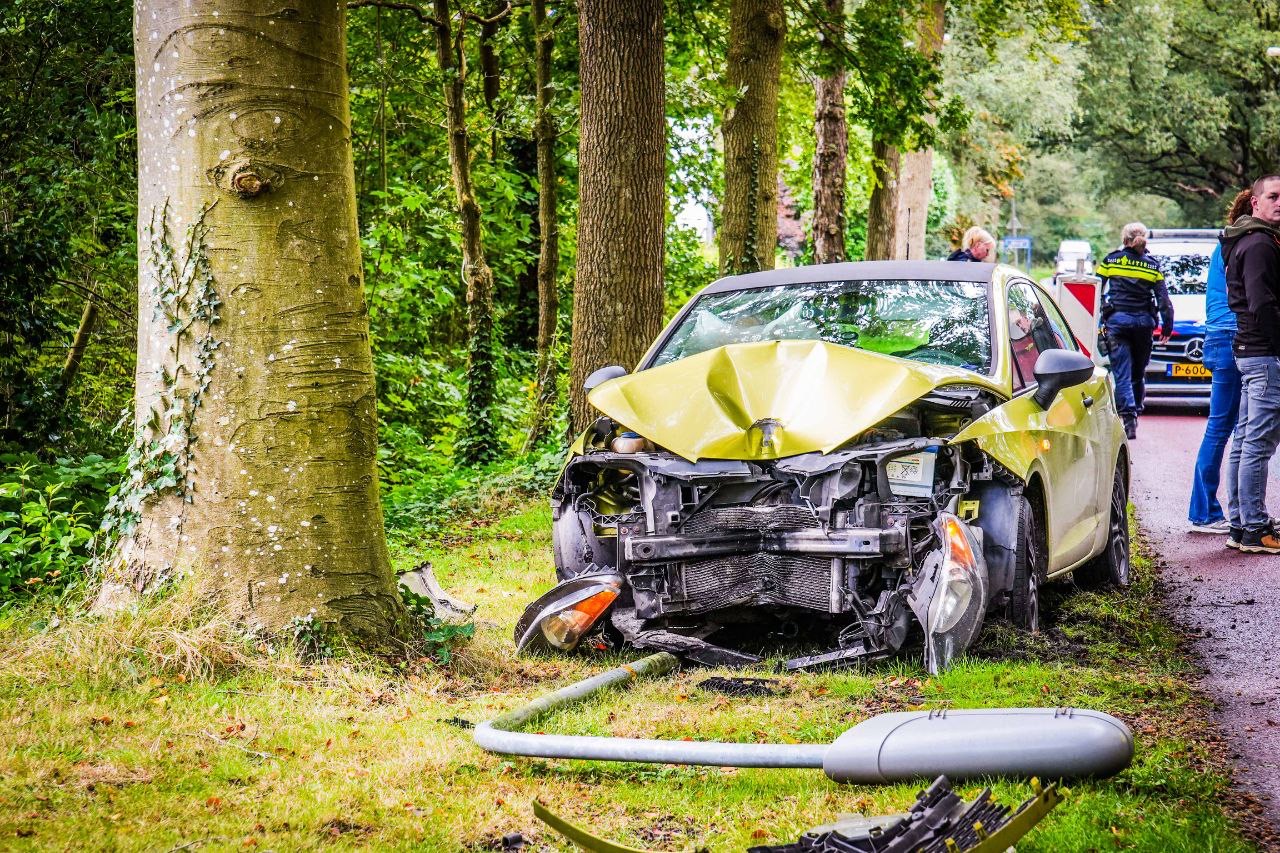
(1053, 314)
(1032, 331)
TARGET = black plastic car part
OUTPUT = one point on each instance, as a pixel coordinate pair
(939, 822)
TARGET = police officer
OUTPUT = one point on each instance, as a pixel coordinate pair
(1133, 294)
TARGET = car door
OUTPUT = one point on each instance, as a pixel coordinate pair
(1071, 435)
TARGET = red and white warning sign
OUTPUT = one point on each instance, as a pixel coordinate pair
(1080, 298)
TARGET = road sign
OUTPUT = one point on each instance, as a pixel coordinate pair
(1016, 244)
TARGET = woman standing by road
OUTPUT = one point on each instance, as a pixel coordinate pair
(1205, 513)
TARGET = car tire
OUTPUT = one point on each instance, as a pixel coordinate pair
(1112, 567)
(1028, 570)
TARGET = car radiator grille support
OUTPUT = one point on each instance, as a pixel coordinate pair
(703, 586)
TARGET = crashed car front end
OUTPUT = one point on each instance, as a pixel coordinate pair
(852, 549)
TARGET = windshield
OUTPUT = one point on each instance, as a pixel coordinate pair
(1185, 265)
(940, 322)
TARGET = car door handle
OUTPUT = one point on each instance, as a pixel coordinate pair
(1087, 400)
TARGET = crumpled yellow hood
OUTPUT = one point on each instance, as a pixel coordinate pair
(768, 400)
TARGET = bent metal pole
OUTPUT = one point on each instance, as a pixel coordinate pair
(1022, 742)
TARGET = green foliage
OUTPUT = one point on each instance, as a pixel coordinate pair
(431, 636)
(48, 515)
(689, 266)
(67, 201)
(1181, 100)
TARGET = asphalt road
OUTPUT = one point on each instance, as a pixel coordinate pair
(1231, 600)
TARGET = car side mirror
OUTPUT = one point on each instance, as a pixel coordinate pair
(603, 375)
(1057, 369)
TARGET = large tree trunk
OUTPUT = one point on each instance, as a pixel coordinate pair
(544, 132)
(749, 214)
(831, 154)
(254, 466)
(899, 211)
(617, 303)
(479, 443)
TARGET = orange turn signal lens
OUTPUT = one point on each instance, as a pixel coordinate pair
(958, 541)
(564, 629)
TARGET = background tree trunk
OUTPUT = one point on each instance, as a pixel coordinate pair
(479, 444)
(617, 304)
(882, 209)
(899, 209)
(749, 214)
(548, 228)
(831, 154)
(254, 468)
(915, 181)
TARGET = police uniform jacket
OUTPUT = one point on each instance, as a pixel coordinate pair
(1133, 284)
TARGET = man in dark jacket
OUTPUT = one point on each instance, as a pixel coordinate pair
(1251, 251)
(1134, 293)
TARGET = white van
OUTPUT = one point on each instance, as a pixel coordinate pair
(1070, 254)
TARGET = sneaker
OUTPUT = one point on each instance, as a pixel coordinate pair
(1234, 537)
(1131, 428)
(1260, 542)
(1216, 528)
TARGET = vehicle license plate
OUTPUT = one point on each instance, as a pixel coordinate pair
(1190, 371)
(906, 468)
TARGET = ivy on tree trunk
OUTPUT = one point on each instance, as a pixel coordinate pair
(479, 440)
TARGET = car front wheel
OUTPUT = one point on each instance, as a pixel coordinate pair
(1028, 571)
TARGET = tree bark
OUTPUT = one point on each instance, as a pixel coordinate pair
(545, 132)
(617, 304)
(491, 82)
(479, 443)
(903, 180)
(831, 149)
(749, 214)
(253, 469)
(882, 208)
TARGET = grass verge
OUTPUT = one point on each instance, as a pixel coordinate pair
(164, 729)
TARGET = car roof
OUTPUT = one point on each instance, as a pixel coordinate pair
(856, 271)
(1183, 234)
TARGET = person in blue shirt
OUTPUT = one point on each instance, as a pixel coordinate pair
(1205, 513)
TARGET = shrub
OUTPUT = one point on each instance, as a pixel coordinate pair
(48, 516)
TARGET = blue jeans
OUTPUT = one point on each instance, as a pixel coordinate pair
(1257, 437)
(1130, 336)
(1224, 406)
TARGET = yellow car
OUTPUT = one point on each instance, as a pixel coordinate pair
(849, 459)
